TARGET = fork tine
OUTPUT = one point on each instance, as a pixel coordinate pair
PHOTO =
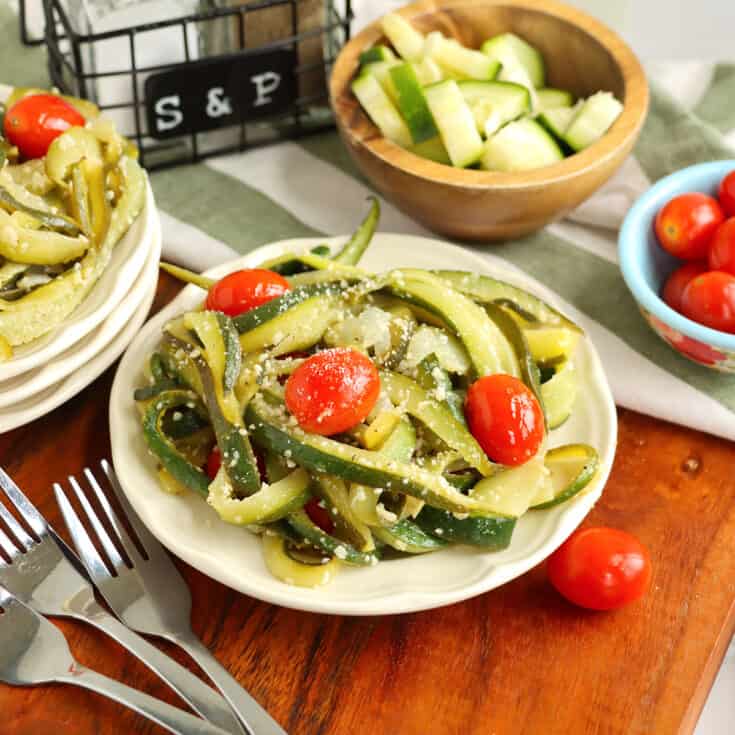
(85, 548)
(122, 534)
(32, 517)
(147, 540)
(16, 529)
(107, 543)
(8, 546)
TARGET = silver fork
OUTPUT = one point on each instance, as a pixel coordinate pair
(47, 575)
(150, 595)
(33, 651)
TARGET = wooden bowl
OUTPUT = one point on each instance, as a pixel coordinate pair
(581, 54)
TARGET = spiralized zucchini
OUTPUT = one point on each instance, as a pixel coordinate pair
(410, 479)
(60, 220)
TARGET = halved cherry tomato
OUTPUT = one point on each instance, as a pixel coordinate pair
(34, 122)
(319, 515)
(505, 417)
(710, 300)
(685, 226)
(600, 568)
(214, 462)
(722, 250)
(332, 391)
(726, 194)
(678, 280)
(244, 290)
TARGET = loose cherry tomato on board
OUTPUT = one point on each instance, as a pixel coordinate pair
(726, 194)
(505, 417)
(319, 515)
(244, 290)
(214, 462)
(600, 568)
(722, 249)
(685, 226)
(332, 391)
(678, 280)
(34, 122)
(710, 300)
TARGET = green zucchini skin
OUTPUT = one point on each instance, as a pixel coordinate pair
(358, 243)
(56, 222)
(492, 534)
(304, 528)
(408, 537)
(233, 353)
(276, 307)
(432, 377)
(161, 446)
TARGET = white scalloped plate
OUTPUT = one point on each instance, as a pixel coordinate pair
(41, 403)
(124, 267)
(192, 530)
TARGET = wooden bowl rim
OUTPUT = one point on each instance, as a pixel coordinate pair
(625, 129)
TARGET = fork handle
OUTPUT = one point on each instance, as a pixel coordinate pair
(252, 715)
(190, 688)
(174, 720)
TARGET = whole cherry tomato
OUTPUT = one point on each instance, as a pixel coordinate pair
(710, 300)
(332, 391)
(686, 224)
(722, 249)
(244, 290)
(678, 280)
(214, 462)
(319, 515)
(505, 417)
(600, 568)
(726, 194)
(34, 122)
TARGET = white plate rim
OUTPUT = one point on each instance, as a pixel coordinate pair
(60, 367)
(58, 393)
(134, 474)
(115, 282)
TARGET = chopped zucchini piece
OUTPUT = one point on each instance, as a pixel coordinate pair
(465, 63)
(511, 50)
(412, 103)
(494, 104)
(572, 468)
(520, 146)
(455, 122)
(376, 53)
(593, 119)
(406, 40)
(381, 110)
(551, 99)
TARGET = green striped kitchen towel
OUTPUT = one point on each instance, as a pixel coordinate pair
(233, 204)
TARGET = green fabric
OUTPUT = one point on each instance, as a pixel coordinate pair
(22, 66)
(717, 106)
(224, 208)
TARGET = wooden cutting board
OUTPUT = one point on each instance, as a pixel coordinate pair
(518, 660)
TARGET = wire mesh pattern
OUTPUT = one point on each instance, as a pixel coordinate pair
(117, 68)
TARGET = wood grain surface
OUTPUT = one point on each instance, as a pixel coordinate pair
(581, 55)
(517, 660)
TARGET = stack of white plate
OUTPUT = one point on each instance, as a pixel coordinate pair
(44, 374)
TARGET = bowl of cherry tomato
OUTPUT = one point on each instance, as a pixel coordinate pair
(677, 256)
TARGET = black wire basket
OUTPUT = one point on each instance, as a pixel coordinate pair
(222, 79)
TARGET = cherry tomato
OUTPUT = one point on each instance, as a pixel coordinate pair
(710, 300)
(214, 462)
(319, 515)
(34, 122)
(244, 290)
(726, 194)
(678, 280)
(722, 249)
(686, 224)
(505, 417)
(600, 568)
(332, 391)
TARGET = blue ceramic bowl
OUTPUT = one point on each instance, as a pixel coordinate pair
(646, 265)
